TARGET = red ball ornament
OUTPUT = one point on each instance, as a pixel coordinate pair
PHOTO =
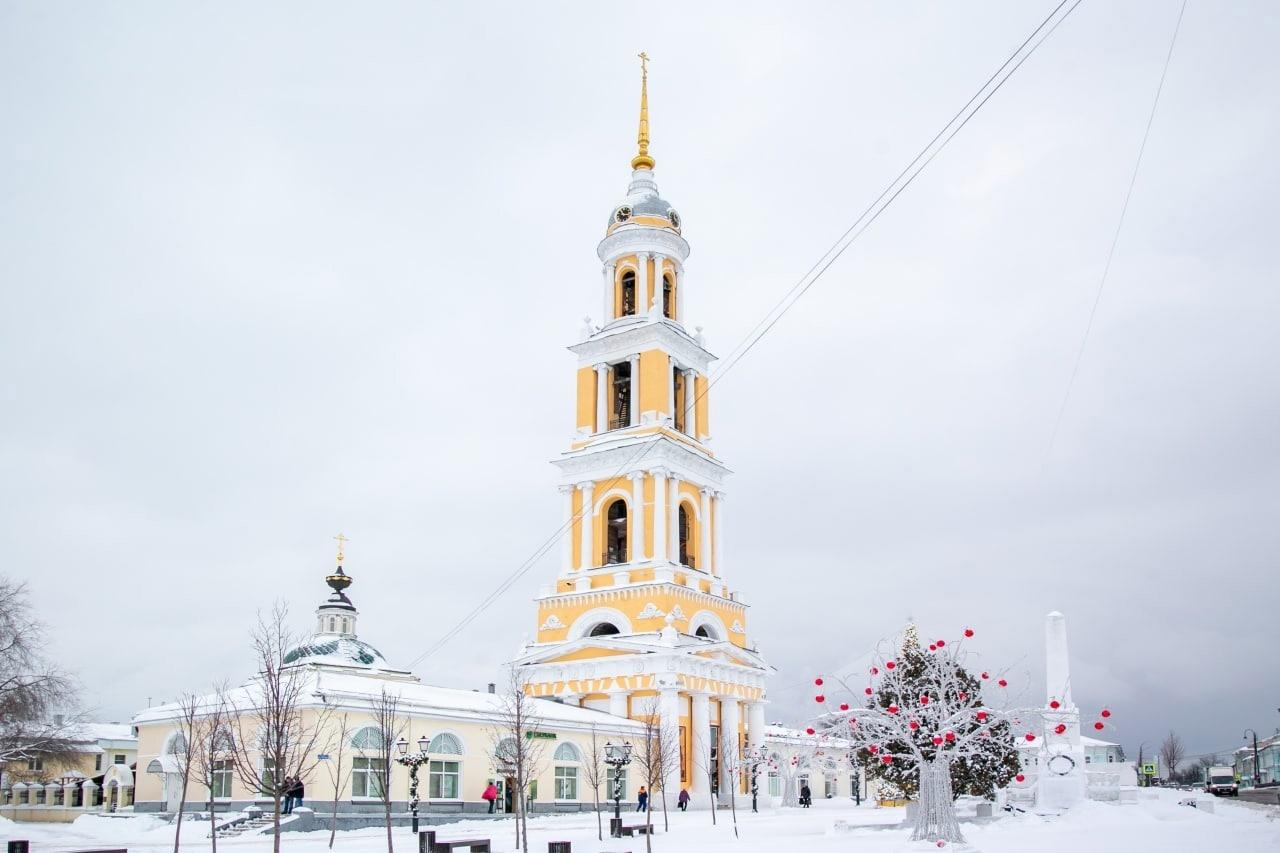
(1098, 726)
(937, 741)
(873, 749)
(1055, 704)
(1060, 728)
(924, 700)
(819, 698)
(982, 715)
(968, 632)
(1029, 736)
(887, 759)
(868, 691)
(875, 670)
(808, 731)
(1020, 778)
(985, 676)
(933, 647)
(1003, 683)
(844, 706)
(951, 736)
(963, 696)
(941, 643)
(913, 725)
(893, 709)
(889, 664)
(1106, 713)
(941, 843)
(818, 681)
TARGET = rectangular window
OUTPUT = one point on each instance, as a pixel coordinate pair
(366, 777)
(616, 777)
(97, 763)
(265, 774)
(715, 760)
(566, 783)
(445, 777)
(684, 767)
(775, 785)
(221, 779)
(35, 765)
(119, 759)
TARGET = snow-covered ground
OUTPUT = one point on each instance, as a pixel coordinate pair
(1155, 824)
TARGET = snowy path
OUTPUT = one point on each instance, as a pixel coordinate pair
(1153, 825)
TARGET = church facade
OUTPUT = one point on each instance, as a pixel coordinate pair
(641, 620)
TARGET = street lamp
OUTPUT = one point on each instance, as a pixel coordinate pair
(413, 762)
(617, 756)
(1256, 768)
(754, 756)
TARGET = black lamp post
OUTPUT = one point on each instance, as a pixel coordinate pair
(413, 762)
(754, 756)
(1257, 771)
(617, 756)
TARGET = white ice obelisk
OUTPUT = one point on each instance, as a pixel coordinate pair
(1060, 763)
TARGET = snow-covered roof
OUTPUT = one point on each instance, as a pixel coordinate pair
(337, 650)
(1085, 740)
(110, 731)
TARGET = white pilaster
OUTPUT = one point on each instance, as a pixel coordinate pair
(635, 390)
(669, 720)
(642, 283)
(610, 276)
(700, 720)
(690, 403)
(602, 397)
(566, 549)
(659, 514)
(717, 524)
(755, 724)
(639, 550)
(729, 719)
(655, 304)
(704, 541)
(588, 512)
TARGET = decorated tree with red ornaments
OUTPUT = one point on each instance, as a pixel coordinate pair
(929, 727)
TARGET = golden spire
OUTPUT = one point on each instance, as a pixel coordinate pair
(642, 160)
(342, 541)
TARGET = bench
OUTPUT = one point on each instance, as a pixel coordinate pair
(635, 829)
(427, 843)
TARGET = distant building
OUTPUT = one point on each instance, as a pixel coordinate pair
(1268, 760)
(96, 775)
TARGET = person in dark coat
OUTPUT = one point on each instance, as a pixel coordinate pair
(806, 796)
(642, 800)
(286, 788)
(299, 791)
(682, 802)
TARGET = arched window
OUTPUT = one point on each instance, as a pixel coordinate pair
(445, 744)
(331, 624)
(369, 737)
(604, 629)
(615, 533)
(345, 624)
(567, 752)
(706, 632)
(628, 293)
(668, 301)
(176, 745)
(621, 395)
(686, 536)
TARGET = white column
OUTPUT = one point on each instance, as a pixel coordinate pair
(638, 551)
(610, 276)
(567, 540)
(704, 541)
(602, 397)
(585, 560)
(700, 720)
(673, 531)
(655, 304)
(755, 724)
(679, 294)
(718, 539)
(669, 720)
(690, 400)
(642, 284)
(728, 741)
(659, 514)
(618, 703)
(671, 391)
(635, 390)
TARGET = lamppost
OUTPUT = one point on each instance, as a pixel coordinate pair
(1257, 771)
(617, 756)
(754, 756)
(413, 762)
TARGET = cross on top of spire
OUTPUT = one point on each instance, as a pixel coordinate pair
(642, 160)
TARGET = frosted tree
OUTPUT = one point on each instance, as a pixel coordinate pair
(920, 716)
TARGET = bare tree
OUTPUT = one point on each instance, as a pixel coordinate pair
(211, 750)
(657, 755)
(731, 758)
(271, 728)
(595, 775)
(338, 772)
(34, 694)
(516, 748)
(1172, 752)
(391, 726)
(708, 766)
(183, 750)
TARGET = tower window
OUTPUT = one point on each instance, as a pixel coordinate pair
(677, 397)
(615, 533)
(668, 303)
(686, 533)
(330, 624)
(706, 633)
(621, 396)
(604, 629)
(628, 293)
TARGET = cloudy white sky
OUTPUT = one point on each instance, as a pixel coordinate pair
(269, 273)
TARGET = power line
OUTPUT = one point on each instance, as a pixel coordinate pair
(868, 217)
(1115, 238)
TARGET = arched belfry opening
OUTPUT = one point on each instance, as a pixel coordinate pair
(668, 298)
(615, 533)
(621, 417)
(604, 629)
(628, 294)
(685, 536)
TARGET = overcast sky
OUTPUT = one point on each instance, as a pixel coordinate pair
(274, 272)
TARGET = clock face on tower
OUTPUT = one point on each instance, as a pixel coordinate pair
(622, 214)
(674, 217)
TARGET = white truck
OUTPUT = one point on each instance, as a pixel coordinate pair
(1220, 780)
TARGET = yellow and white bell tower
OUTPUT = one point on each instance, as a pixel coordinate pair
(640, 620)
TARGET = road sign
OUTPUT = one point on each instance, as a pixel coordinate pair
(1149, 769)
(322, 757)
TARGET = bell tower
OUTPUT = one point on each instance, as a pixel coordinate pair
(640, 619)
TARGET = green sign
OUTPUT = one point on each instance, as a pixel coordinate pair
(1149, 769)
(540, 735)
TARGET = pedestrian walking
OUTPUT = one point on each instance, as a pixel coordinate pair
(682, 802)
(806, 796)
(642, 800)
(490, 795)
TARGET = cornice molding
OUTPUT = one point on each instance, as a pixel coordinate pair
(631, 241)
(599, 462)
(619, 343)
